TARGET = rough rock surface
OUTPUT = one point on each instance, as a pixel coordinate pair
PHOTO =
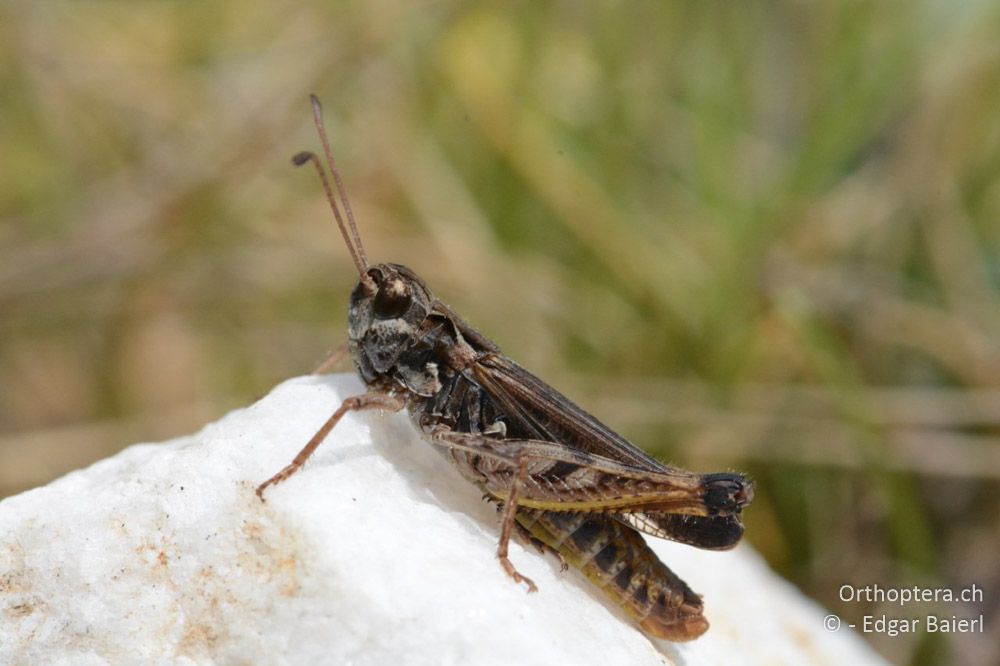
(376, 553)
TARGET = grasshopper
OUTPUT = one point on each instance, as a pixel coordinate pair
(563, 481)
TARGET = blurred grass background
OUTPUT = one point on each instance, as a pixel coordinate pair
(749, 235)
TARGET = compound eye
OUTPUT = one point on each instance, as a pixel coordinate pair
(392, 300)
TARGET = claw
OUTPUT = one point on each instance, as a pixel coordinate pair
(517, 575)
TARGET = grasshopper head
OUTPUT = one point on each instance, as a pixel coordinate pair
(387, 308)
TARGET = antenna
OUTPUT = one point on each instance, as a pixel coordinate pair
(352, 239)
(318, 117)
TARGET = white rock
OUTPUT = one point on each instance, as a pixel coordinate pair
(376, 553)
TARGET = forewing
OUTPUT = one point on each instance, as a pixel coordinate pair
(544, 413)
(547, 414)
